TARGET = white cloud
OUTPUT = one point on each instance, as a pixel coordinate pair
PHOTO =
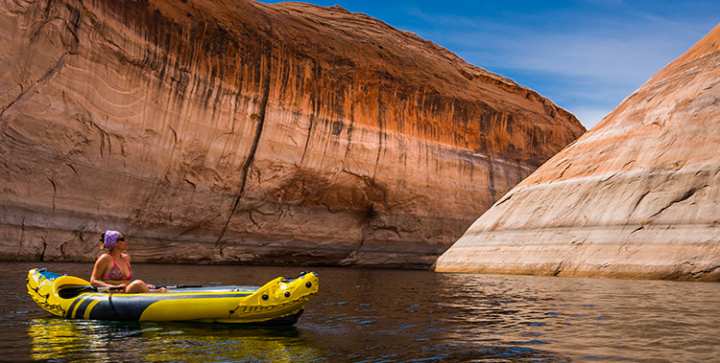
(585, 63)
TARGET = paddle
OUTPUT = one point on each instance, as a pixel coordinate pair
(180, 286)
(71, 291)
(156, 288)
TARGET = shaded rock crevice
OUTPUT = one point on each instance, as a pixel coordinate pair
(685, 196)
(260, 123)
(639, 200)
(54, 192)
(42, 251)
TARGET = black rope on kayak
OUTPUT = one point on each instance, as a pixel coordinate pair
(112, 306)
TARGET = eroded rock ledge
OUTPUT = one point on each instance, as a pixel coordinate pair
(638, 196)
(231, 131)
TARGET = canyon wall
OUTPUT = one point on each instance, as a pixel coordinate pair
(238, 132)
(638, 196)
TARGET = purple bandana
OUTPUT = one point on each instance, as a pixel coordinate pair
(111, 239)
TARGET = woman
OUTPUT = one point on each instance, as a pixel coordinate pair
(112, 269)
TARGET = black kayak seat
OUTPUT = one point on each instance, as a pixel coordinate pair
(71, 291)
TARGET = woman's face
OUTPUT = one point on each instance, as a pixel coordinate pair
(122, 245)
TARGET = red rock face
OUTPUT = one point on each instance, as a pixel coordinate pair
(230, 131)
(637, 196)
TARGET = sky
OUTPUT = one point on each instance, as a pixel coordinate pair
(585, 55)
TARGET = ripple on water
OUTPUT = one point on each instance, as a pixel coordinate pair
(394, 316)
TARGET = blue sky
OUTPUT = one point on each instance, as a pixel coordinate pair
(585, 55)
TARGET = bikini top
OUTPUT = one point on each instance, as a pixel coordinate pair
(116, 274)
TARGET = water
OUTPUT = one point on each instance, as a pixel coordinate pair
(390, 316)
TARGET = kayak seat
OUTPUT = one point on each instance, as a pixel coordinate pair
(71, 291)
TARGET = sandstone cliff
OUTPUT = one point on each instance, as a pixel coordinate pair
(232, 131)
(637, 196)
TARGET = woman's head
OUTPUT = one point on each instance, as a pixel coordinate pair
(111, 239)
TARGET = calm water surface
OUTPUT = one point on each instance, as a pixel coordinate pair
(391, 316)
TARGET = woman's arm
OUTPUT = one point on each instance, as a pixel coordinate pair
(127, 258)
(99, 269)
(149, 286)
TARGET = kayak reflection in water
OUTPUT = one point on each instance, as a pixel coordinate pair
(112, 269)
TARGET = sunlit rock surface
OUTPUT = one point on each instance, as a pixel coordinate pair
(637, 196)
(231, 131)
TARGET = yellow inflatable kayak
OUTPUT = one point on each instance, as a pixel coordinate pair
(279, 301)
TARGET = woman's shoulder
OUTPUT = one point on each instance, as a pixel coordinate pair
(104, 258)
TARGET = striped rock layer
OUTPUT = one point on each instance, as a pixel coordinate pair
(638, 196)
(232, 131)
